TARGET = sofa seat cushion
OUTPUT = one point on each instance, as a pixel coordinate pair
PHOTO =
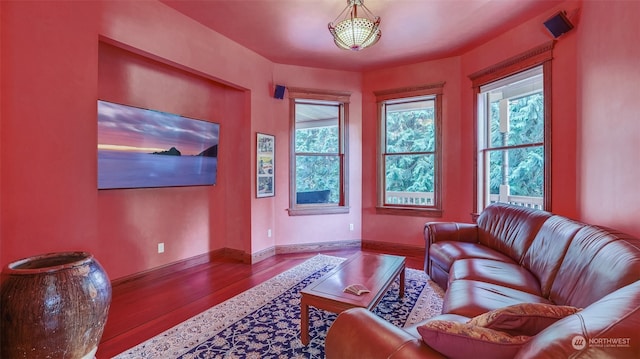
(471, 298)
(463, 340)
(506, 274)
(523, 319)
(443, 254)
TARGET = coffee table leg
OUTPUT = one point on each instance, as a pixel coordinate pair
(304, 323)
(402, 282)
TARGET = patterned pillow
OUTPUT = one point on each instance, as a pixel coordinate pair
(464, 340)
(523, 319)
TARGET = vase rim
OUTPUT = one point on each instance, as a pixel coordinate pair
(49, 262)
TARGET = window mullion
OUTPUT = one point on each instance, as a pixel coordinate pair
(511, 147)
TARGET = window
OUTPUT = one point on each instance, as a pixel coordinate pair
(513, 144)
(409, 150)
(318, 180)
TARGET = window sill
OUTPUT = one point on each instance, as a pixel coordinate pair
(313, 210)
(409, 211)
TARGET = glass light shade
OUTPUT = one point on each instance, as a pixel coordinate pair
(355, 33)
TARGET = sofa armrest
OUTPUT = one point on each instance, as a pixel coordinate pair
(358, 333)
(450, 231)
(447, 231)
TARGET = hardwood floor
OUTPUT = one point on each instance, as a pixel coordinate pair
(143, 308)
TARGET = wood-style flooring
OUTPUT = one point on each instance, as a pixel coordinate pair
(149, 305)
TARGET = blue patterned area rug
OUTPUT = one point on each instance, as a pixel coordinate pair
(264, 321)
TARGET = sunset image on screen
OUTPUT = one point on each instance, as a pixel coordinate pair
(146, 148)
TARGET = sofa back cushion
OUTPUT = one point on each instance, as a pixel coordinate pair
(509, 229)
(544, 256)
(598, 262)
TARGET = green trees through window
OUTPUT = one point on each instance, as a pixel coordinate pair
(408, 166)
(317, 161)
(512, 153)
(522, 168)
(319, 155)
(410, 143)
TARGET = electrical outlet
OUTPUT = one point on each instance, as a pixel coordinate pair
(160, 247)
(269, 232)
(351, 226)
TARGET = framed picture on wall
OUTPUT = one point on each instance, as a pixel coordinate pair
(265, 165)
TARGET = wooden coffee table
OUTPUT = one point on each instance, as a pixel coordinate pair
(375, 271)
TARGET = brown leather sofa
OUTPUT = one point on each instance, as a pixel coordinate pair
(517, 255)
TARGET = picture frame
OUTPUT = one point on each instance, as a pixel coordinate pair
(265, 165)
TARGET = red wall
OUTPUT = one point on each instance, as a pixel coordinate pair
(609, 111)
(52, 74)
(458, 142)
(456, 148)
(187, 220)
(595, 128)
(292, 230)
(48, 131)
(51, 78)
(564, 120)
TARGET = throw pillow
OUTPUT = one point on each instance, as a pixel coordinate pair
(523, 319)
(463, 340)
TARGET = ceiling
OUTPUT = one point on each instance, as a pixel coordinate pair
(294, 32)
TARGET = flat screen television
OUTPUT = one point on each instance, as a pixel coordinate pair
(142, 148)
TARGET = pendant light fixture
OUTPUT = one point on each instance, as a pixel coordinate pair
(355, 32)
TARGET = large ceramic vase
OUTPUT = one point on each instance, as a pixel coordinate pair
(53, 306)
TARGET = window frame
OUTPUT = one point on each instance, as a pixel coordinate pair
(342, 99)
(538, 56)
(434, 90)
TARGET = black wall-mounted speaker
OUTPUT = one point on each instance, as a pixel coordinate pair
(558, 24)
(279, 92)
